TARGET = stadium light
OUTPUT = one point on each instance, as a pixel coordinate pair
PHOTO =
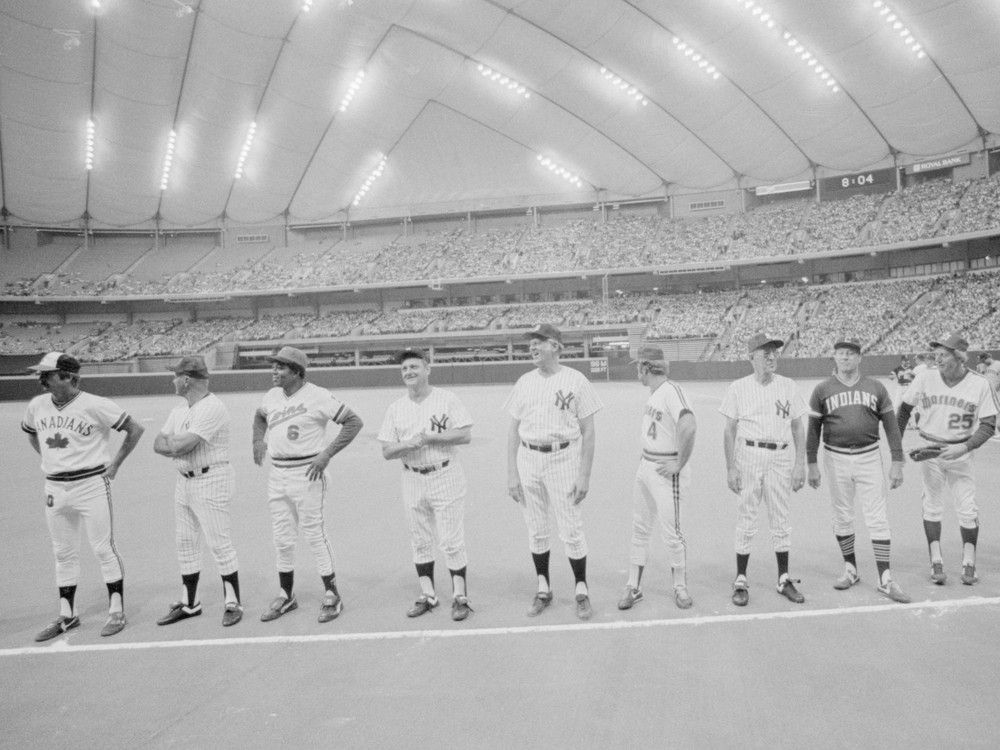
(245, 150)
(352, 89)
(89, 151)
(892, 19)
(503, 81)
(370, 180)
(622, 85)
(306, 5)
(168, 160)
(696, 58)
(554, 167)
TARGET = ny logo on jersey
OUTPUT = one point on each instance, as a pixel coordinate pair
(57, 441)
(783, 408)
(564, 400)
(439, 424)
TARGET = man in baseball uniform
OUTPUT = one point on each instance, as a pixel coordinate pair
(71, 431)
(294, 416)
(422, 429)
(668, 431)
(847, 409)
(764, 418)
(990, 369)
(958, 411)
(196, 437)
(550, 453)
(903, 376)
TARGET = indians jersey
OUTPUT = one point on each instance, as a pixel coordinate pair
(73, 436)
(550, 408)
(950, 415)
(664, 408)
(207, 418)
(439, 411)
(296, 424)
(849, 415)
(763, 412)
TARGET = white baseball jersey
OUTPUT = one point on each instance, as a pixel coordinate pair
(441, 410)
(296, 424)
(549, 408)
(74, 435)
(664, 408)
(950, 414)
(992, 375)
(207, 418)
(763, 412)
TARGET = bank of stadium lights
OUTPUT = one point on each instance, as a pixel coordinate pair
(307, 5)
(552, 166)
(168, 160)
(375, 174)
(352, 89)
(890, 17)
(505, 81)
(620, 83)
(696, 58)
(183, 9)
(89, 153)
(245, 150)
(766, 19)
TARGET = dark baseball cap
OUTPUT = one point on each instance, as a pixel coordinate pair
(649, 353)
(953, 342)
(545, 331)
(761, 340)
(57, 361)
(289, 355)
(193, 365)
(848, 344)
(411, 353)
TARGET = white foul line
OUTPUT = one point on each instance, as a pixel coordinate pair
(62, 646)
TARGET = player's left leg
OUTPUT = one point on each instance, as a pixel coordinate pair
(777, 490)
(212, 495)
(559, 483)
(97, 512)
(668, 492)
(446, 492)
(872, 490)
(961, 481)
(312, 521)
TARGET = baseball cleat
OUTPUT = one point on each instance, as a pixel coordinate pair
(741, 591)
(333, 605)
(938, 575)
(278, 607)
(179, 611)
(786, 587)
(422, 606)
(59, 626)
(632, 597)
(583, 609)
(114, 625)
(892, 590)
(539, 604)
(232, 615)
(848, 579)
(682, 598)
(969, 576)
(460, 609)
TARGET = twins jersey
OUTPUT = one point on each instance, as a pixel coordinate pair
(439, 411)
(950, 415)
(207, 418)
(664, 408)
(850, 414)
(763, 412)
(296, 424)
(550, 408)
(74, 435)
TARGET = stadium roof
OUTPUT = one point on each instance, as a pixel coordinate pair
(463, 98)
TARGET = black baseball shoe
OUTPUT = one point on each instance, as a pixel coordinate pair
(179, 611)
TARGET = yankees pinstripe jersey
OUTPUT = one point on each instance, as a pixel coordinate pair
(850, 414)
(950, 414)
(73, 436)
(763, 412)
(549, 408)
(439, 411)
(296, 424)
(207, 418)
(664, 408)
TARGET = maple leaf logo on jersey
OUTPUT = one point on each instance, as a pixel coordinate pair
(439, 424)
(57, 441)
(564, 400)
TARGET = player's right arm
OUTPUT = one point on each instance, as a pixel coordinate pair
(33, 439)
(513, 477)
(259, 431)
(733, 478)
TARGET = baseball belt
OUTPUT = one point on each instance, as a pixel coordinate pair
(427, 469)
(851, 451)
(767, 445)
(203, 470)
(72, 476)
(546, 447)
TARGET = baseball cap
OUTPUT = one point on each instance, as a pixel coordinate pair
(545, 331)
(649, 353)
(54, 361)
(760, 340)
(848, 344)
(193, 365)
(953, 342)
(411, 353)
(289, 355)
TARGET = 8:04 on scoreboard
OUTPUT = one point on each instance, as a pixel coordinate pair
(874, 180)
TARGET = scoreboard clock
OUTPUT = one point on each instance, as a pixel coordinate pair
(871, 181)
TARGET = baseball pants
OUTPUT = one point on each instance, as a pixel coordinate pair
(296, 502)
(86, 501)
(435, 510)
(655, 497)
(201, 506)
(767, 478)
(862, 476)
(955, 477)
(547, 479)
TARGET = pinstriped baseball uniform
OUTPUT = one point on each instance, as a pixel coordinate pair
(202, 498)
(764, 414)
(433, 481)
(74, 442)
(549, 410)
(296, 433)
(655, 496)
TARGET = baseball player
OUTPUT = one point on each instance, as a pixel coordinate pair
(294, 417)
(70, 429)
(958, 412)
(196, 437)
(422, 429)
(668, 431)
(990, 369)
(846, 411)
(903, 376)
(550, 453)
(763, 414)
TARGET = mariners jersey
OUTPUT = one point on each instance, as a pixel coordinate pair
(73, 436)
(208, 418)
(950, 415)
(439, 411)
(850, 415)
(550, 408)
(664, 408)
(763, 412)
(296, 424)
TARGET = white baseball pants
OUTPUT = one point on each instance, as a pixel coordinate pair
(655, 497)
(67, 505)
(435, 510)
(547, 479)
(201, 506)
(296, 502)
(954, 477)
(862, 476)
(767, 478)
